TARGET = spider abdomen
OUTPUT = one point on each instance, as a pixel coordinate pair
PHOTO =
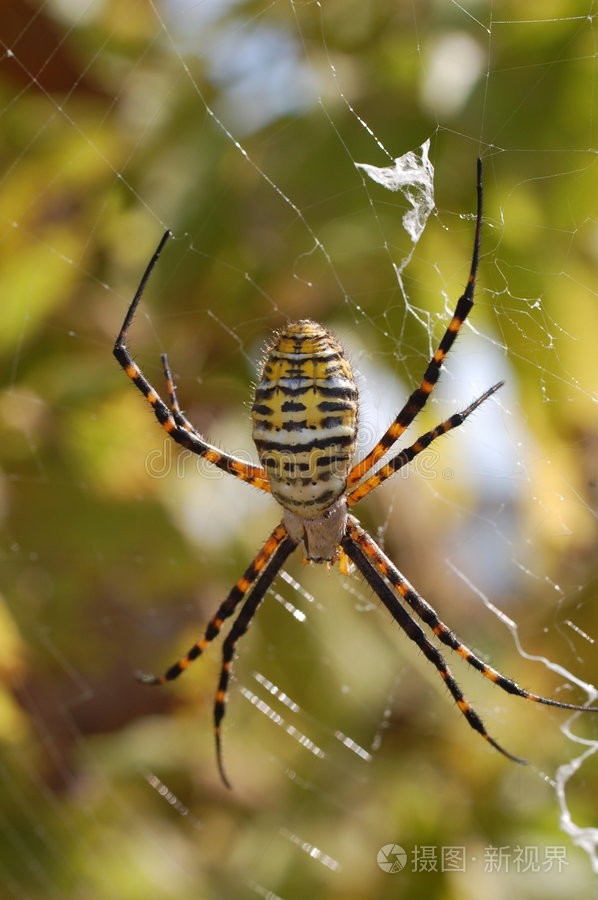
(305, 417)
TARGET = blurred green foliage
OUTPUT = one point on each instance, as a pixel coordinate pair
(114, 123)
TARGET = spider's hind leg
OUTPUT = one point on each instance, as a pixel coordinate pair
(408, 454)
(173, 402)
(420, 395)
(170, 386)
(171, 418)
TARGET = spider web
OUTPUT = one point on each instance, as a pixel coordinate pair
(312, 159)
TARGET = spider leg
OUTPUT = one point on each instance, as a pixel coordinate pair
(419, 397)
(362, 560)
(262, 561)
(239, 628)
(406, 455)
(173, 403)
(173, 421)
(444, 634)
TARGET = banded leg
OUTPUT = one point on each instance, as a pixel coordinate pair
(363, 562)
(429, 616)
(405, 456)
(173, 403)
(279, 538)
(240, 626)
(419, 397)
(173, 422)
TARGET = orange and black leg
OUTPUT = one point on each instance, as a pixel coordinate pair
(262, 562)
(173, 403)
(405, 456)
(429, 616)
(172, 420)
(419, 397)
(355, 551)
(240, 626)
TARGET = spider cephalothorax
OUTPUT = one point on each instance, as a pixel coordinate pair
(304, 423)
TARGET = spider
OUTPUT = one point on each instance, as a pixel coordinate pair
(304, 417)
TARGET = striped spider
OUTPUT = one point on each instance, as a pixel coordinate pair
(304, 417)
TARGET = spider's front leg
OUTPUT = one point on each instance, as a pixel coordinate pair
(259, 576)
(240, 626)
(262, 562)
(362, 559)
(382, 575)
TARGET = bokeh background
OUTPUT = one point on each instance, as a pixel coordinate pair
(238, 126)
